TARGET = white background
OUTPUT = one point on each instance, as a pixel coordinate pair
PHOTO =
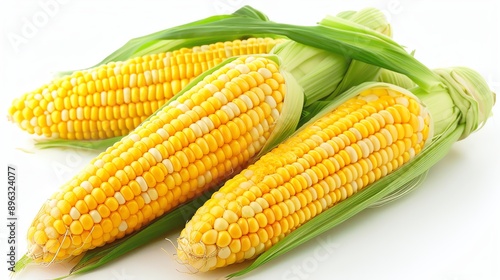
(448, 229)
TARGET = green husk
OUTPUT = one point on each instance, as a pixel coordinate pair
(394, 78)
(468, 92)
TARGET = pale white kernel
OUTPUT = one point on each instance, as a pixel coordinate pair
(247, 101)
(222, 98)
(387, 116)
(220, 224)
(224, 252)
(411, 152)
(33, 121)
(314, 177)
(421, 123)
(168, 165)
(117, 70)
(230, 65)
(265, 125)
(133, 80)
(38, 130)
(354, 186)
(379, 119)
(266, 73)
(308, 179)
(196, 130)
(79, 113)
(212, 88)
(369, 98)
(230, 216)
(166, 61)
(249, 59)
(369, 144)
(156, 154)
(51, 233)
(38, 96)
(243, 68)
(119, 197)
(223, 77)
(48, 120)
(328, 149)
(52, 203)
(123, 226)
(403, 101)
(352, 153)
(387, 136)
(96, 217)
(356, 133)
(275, 114)
(270, 101)
(260, 248)
(245, 185)
(146, 198)
(154, 76)
(337, 180)
(254, 133)
(209, 123)
(256, 207)
(343, 193)
(248, 174)
(140, 180)
(228, 111)
(420, 137)
(99, 163)
(74, 213)
(163, 133)
(262, 202)
(64, 115)
(153, 194)
(147, 77)
(127, 95)
(203, 126)
(86, 186)
(174, 104)
(50, 107)
(376, 143)
(316, 138)
(208, 177)
(365, 150)
(247, 212)
(234, 108)
(183, 107)
(134, 137)
(250, 252)
(104, 98)
(54, 94)
(73, 80)
(201, 181)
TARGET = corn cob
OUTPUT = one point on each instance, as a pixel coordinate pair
(113, 99)
(331, 159)
(188, 146)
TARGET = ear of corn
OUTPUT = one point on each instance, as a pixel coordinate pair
(191, 144)
(112, 99)
(331, 159)
(469, 92)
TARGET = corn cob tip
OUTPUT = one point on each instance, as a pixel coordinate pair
(472, 95)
